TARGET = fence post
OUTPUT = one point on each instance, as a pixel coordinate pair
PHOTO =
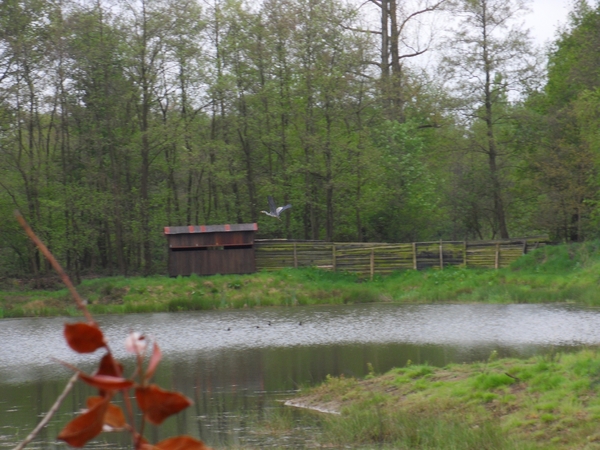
(497, 263)
(525, 247)
(333, 258)
(465, 253)
(295, 257)
(441, 255)
(372, 263)
(414, 255)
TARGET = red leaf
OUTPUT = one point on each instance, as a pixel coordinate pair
(158, 404)
(141, 443)
(181, 443)
(86, 426)
(83, 337)
(108, 366)
(154, 360)
(106, 382)
(113, 417)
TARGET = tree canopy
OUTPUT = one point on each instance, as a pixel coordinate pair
(120, 118)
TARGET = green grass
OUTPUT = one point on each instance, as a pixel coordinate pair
(564, 273)
(548, 403)
(364, 428)
(118, 295)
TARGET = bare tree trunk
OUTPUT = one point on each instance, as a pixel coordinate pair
(492, 150)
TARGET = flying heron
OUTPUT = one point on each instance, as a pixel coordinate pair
(274, 210)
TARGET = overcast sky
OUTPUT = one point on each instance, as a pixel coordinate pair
(547, 15)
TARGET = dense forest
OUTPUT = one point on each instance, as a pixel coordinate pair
(383, 120)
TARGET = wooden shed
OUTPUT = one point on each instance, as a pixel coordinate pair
(211, 249)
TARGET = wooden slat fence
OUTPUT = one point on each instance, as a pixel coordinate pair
(381, 258)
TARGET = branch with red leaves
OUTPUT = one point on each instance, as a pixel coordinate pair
(155, 403)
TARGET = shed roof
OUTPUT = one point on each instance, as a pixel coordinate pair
(212, 228)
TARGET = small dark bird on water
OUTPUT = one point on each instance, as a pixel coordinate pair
(274, 210)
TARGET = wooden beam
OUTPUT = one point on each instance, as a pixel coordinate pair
(497, 262)
(414, 245)
(333, 258)
(372, 263)
(295, 257)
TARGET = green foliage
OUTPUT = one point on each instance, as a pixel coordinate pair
(560, 259)
(563, 143)
(574, 60)
(404, 187)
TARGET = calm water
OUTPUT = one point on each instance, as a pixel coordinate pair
(237, 366)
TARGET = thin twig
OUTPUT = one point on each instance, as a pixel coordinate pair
(50, 257)
(49, 414)
(512, 376)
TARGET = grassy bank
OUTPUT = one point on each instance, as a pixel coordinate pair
(118, 295)
(539, 403)
(565, 273)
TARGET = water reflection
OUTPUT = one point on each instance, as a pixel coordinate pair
(235, 365)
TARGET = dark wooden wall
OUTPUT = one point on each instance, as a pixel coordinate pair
(211, 261)
(210, 250)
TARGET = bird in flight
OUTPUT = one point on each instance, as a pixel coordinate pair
(274, 210)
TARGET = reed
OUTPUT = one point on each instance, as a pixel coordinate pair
(365, 428)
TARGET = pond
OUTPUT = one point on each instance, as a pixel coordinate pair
(237, 366)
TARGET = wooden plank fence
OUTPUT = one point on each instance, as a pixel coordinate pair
(369, 258)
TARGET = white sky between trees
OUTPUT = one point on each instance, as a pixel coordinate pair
(546, 18)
